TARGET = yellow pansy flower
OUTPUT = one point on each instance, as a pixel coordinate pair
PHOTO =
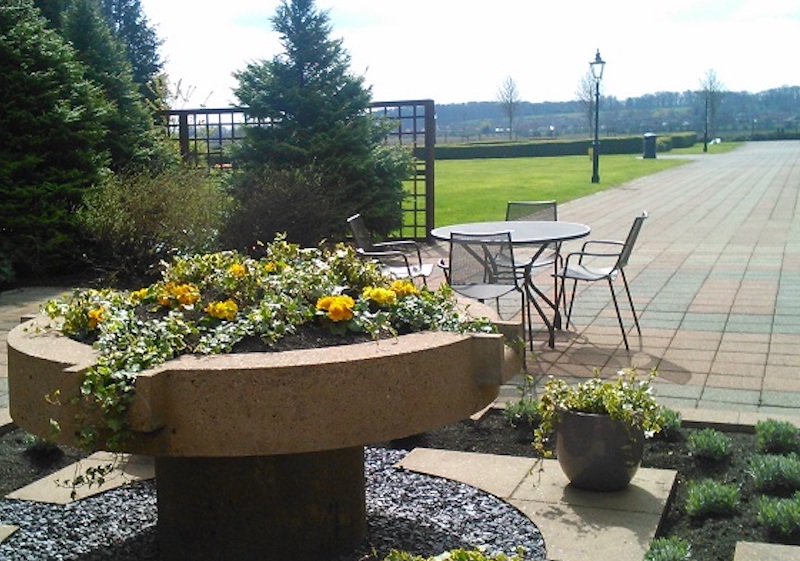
(226, 310)
(403, 288)
(96, 317)
(237, 270)
(381, 296)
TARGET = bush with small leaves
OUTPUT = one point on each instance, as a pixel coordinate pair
(711, 498)
(709, 444)
(522, 413)
(777, 437)
(670, 548)
(781, 517)
(775, 474)
(670, 423)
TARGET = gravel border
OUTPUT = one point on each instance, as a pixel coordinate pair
(409, 511)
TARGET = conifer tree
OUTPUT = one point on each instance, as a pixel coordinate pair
(130, 25)
(132, 139)
(51, 141)
(317, 111)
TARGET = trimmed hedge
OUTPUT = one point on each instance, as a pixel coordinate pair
(611, 145)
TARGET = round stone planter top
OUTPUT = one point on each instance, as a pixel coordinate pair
(254, 404)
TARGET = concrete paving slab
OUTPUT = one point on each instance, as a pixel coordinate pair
(498, 475)
(6, 531)
(751, 551)
(51, 489)
(647, 493)
(576, 525)
(583, 533)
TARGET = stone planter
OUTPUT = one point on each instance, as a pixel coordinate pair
(260, 455)
(596, 452)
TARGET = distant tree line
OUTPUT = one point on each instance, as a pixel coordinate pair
(737, 113)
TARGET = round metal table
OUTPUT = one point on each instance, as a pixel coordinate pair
(543, 234)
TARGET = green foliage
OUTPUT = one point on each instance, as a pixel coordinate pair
(708, 498)
(135, 220)
(777, 437)
(130, 25)
(208, 303)
(670, 548)
(670, 423)
(460, 554)
(627, 398)
(775, 474)
(521, 412)
(131, 136)
(6, 269)
(781, 517)
(296, 202)
(51, 137)
(709, 444)
(317, 111)
(41, 449)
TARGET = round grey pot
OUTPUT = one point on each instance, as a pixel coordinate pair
(598, 453)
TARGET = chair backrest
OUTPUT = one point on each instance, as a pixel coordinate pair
(360, 232)
(532, 210)
(630, 241)
(480, 258)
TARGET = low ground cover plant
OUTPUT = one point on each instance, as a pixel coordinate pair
(709, 444)
(780, 516)
(709, 497)
(668, 549)
(777, 437)
(460, 554)
(775, 474)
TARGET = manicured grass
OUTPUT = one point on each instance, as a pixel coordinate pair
(476, 190)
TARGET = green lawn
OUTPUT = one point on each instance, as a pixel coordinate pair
(475, 190)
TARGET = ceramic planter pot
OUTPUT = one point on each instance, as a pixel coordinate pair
(596, 452)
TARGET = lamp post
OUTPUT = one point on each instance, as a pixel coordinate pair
(597, 66)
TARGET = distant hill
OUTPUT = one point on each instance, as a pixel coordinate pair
(739, 113)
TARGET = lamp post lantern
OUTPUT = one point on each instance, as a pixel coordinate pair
(597, 66)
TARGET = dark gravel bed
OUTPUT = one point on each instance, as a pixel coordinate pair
(419, 513)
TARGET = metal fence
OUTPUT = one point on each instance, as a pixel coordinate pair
(205, 137)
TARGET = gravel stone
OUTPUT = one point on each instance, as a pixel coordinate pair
(418, 513)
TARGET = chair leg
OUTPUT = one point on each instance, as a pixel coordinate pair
(619, 316)
(630, 301)
(568, 310)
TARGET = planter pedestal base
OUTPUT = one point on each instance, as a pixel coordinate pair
(295, 506)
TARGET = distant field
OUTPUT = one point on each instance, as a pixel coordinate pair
(475, 190)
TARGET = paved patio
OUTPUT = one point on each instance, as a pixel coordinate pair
(715, 277)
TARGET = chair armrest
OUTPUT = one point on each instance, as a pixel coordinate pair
(442, 264)
(581, 254)
(406, 246)
(393, 254)
(601, 242)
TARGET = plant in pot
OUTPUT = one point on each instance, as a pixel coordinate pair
(599, 427)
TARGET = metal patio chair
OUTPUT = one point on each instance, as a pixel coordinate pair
(602, 260)
(401, 259)
(534, 211)
(476, 269)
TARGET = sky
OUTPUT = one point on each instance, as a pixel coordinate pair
(455, 51)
